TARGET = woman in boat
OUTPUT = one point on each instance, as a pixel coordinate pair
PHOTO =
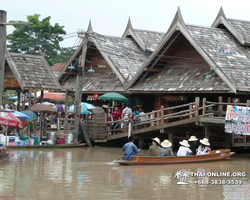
(184, 149)
(155, 148)
(204, 147)
(166, 148)
(192, 141)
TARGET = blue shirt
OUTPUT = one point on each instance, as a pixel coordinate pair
(129, 150)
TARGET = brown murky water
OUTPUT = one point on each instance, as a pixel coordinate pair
(88, 173)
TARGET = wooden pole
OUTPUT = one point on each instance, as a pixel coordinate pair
(197, 103)
(204, 107)
(66, 113)
(3, 16)
(78, 94)
(220, 107)
(41, 99)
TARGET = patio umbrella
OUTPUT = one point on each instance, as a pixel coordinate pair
(8, 119)
(53, 96)
(20, 115)
(13, 98)
(42, 108)
(84, 108)
(47, 103)
(31, 114)
(113, 97)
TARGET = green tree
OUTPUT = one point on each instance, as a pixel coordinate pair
(41, 37)
(64, 55)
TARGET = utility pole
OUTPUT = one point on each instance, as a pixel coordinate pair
(3, 18)
(3, 15)
(78, 93)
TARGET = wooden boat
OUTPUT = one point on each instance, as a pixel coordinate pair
(4, 154)
(215, 155)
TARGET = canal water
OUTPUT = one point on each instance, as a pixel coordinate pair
(88, 173)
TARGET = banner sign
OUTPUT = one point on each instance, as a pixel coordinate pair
(237, 120)
(11, 83)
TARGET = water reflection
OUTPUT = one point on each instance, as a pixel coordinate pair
(88, 173)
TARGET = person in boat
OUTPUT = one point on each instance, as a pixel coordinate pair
(166, 148)
(184, 149)
(203, 147)
(130, 149)
(192, 141)
(155, 148)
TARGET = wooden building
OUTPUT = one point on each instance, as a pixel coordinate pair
(170, 69)
(26, 73)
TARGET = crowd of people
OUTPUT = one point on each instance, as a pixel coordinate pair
(121, 118)
(158, 148)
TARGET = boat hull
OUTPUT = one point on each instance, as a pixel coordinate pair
(155, 160)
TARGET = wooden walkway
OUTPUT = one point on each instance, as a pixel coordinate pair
(210, 114)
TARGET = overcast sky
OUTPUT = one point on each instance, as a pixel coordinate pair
(109, 17)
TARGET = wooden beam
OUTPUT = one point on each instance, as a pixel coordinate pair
(73, 73)
(153, 70)
(66, 113)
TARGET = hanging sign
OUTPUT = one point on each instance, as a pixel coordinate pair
(237, 120)
(11, 83)
(96, 96)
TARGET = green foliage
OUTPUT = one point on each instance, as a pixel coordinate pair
(64, 55)
(37, 38)
(7, 94)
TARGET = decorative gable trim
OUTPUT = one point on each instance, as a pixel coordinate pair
(222, 19)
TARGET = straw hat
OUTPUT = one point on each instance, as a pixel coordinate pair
(205, 142)
(166, 144)
(193, 138)
(184, 143)
(156, 139)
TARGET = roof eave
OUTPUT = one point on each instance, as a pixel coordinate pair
(13, 68)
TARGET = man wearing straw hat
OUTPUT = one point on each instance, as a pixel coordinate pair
(203, 148)
(184, 149)
(166, 150)
(192, 141)
(155, 148)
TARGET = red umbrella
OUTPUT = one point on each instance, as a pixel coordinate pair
(9, 119)
(53, 96)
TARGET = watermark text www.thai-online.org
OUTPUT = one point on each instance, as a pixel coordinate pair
(218, 174)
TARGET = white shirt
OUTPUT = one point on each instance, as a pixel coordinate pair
(201, 151)
(183, 151)
(127, 111)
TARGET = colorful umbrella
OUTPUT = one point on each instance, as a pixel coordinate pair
(47, 103)
(9, 119)
(20, 115)
(13, 98)
(113, 97)
(31, 114)
(84, 108)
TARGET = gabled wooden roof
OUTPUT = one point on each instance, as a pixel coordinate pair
(32, 72)
(122, 55)
(147, 40)
(232, 68)
(96, 82)
(240, 29)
